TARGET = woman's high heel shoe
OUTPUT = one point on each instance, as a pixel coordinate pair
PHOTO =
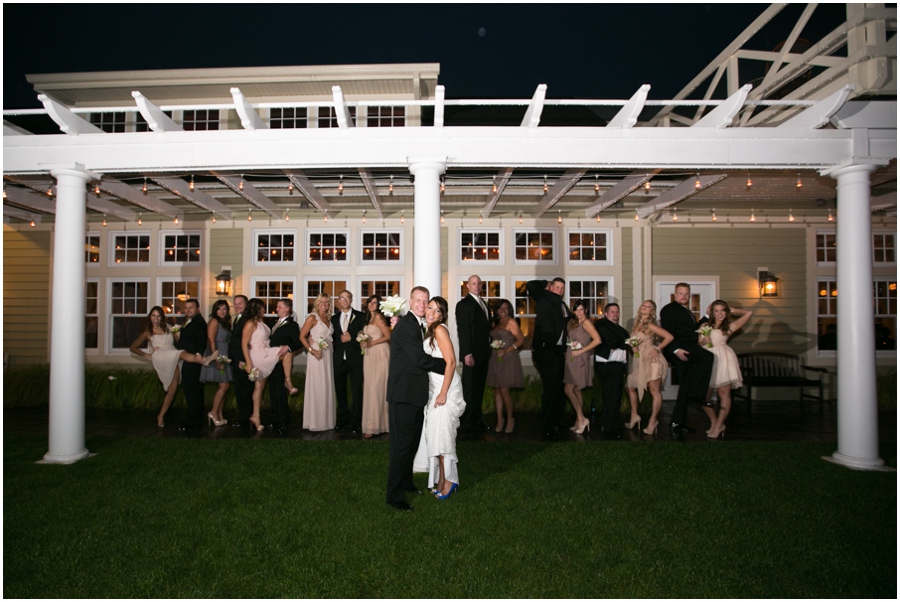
(499, 428)
(292, 390)
(256, 423)
(651, 429)
(717, 434)
(634, 423)
(453, 488)
(160, 422)
(510, 424)
(582, 426)
(212, 420)
(210, 358)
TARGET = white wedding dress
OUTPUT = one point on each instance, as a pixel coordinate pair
(441, 423)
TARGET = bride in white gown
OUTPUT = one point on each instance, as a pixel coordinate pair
(437, 450)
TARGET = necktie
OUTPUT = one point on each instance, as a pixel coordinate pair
(484, 308)
(344, 322)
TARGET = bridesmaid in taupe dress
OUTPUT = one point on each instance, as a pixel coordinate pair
(375, 369)
(505, 368)
(579, 372)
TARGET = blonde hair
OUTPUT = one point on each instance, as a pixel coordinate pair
(640, 324)
(319, 299)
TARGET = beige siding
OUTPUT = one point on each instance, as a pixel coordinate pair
(626, 289)
(226, 247)
(26, 295)
(734, 254)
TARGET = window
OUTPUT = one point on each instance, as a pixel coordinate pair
(327, 246)
(287, 118)
(92, 248)
(490, 292)
(479, 245)
(141, 125)
(590, 246)
(826, 248)
(594, 292)
(525, 311)
(385, 117)
(180, 247)
(91, 314)
(381, 246)
(274, 246)
(883, 248)
(130, 248)
(535, 246)
(314, 288)
(109, 122)
(328, 117)
(270, 291)
(382, 288)
(128, 311)
(885, 313)
(201, 119)
(173, 294)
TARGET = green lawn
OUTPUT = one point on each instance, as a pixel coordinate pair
(288, 518)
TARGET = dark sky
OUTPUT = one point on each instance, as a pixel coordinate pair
(485, 50)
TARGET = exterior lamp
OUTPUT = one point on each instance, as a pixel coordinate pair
(223, 284)
(768, 283)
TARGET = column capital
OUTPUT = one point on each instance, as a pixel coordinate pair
(418, 163)
(72, 169)
(852, 165)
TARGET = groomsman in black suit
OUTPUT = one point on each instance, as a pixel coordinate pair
(548, 346)
(243, 388)
(473, 325)
(193, 340)
(692, 362)
(407, 394)
(611, 365)
(286, 335)
(348, 361)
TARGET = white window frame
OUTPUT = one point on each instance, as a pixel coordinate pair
(272, 278)
(163, 248)
(111, 248)
(824, 264)
(307, 246)
(365, 278)
(555, 246)
(820, 281)
(379, 117)
(110, 316)
(93, 350)
(610, 292)
(485, 278)
(373, 262)
(160, 280)
(882, 232)
(593, 262)
(295, 119)
(480, 262)
(254, 245)
(87, 242)
(348, 284)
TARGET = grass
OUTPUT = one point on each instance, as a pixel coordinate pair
(276, 518)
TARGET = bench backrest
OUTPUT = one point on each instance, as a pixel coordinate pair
(771, 364)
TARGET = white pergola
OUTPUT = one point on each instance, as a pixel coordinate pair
(822, 131)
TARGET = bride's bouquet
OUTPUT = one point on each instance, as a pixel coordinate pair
(574, 346)
(634, 343)
(393, 306)
(498, 344)
(362, 338)
(705, 331)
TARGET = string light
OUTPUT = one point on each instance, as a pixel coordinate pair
(714, 214)
(249, 215)
(4, 193)
(391, 186)
(442, 184)
(97, 189)
(144, 187)
(675, 214)
(749, 181)
(697, 181)
(598, 217)
(520, 217)
(790, 215)
(494, 187)
(290, 186)
(341, 186)
(176, 220)
(326, 216)
(241, 183)
(287, 214)
(636, 216)
(192, 183)
(442, 216)
(647, 185)
(799, 181)
(752, 215)
(558, 216)
(364, 216)
(104, 220)
(402, 217)
(830, 217)
(214, 217)
(480, 217)
(596, 184)
(50, 190)
(32, 223)
(545, 184)
(140, 221)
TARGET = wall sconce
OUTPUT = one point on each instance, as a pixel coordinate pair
(768, 283)
(223, 284)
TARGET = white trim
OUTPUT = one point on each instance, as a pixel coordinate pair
(99, 314)
(532, 262)
(274, 278)
(179, 278)
(360, 278)
(121, 351)
(111, 248)
(307, 248)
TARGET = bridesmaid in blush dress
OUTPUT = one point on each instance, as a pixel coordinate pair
(319, 410)
(375, 370)
(257, 353)
(648, 366)
(579, 371)
(726, 372)
(505, 368)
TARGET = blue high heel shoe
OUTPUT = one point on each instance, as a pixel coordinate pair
(449, 493)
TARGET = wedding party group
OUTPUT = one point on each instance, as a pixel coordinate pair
(398, 363)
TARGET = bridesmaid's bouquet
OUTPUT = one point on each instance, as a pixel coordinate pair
(362, 338)
(705, 331)
(222, 361)
(498, 344)
(634, 343)
(176, 329)
(393, 306)
(574, 346)
(321, 343)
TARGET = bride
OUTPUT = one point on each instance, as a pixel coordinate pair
(445, 406)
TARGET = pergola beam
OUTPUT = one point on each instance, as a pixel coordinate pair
(309, 190)
(630, 111)
(622, 189)
(532, 117)
(197, 197)
(68, 122)
(560, 188)
(340, 108)
(820, 113)
(107, 207)
(439, 106)
(154, 116)
(682, 191)
(30, 200)
(134, 196)
(723, 115)
(25, 216)
(501, 180)
(250, 120)
(251, 193)
(885, 201)
(368, 181)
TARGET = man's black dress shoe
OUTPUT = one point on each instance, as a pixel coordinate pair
(401, 506)
(274, 426)
(241, 423)
(282, 430)
(610, 435)
(414, 491)
(680, 429)
(550, 436)
(186, 426)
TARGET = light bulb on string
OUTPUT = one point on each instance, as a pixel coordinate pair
(50, 190)
(249, 215)
(558, 216)
(480, 217)
(326, 216)
(341, 186)
(144, 187)
(104, 220)
(697, 181)
(790, 215)
(97, 189)
(391, 186)
(287, 214)
(214, 217)
(402, 217)
(442, 184)
(140, 221)
(442, 216)
(749, 181)
(545, 184)
(675, 214)
(520, 217)
(636, 216)
(830, 217)
(290, 186)
(4, 193)
(364, 216)
(799, 181)
(596, 183)
(176, 220)
(32, 223)
(752, 215)
(494, 187)
(241, 183)
(714, 214)
(598, 217)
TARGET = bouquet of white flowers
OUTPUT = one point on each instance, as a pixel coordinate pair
(498, 344)
(705, 331)
(175, 329)
(393, 306)
(574, 346)
(321, 343)
(222, 360)
(634, 343)
(362, 338)
(253, 375)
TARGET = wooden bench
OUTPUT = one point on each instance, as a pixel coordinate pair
(771, 369)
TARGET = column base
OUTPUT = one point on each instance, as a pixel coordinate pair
(858, 463)
(65, 458)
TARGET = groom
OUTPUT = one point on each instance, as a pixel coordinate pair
(407, 394)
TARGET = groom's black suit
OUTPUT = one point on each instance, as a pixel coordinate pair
(286, 333)
(474, 331)
(243, 388)
(348, 361)
(694, 374)
(407, 394)
(611, 374)
(192, 340)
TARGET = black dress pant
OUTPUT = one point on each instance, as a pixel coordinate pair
(550, 361)
(193, 393)
(473, 381)
(405, 423)
(693, 376)
(352, 367)
(278, 396)
(612, 382)
(243, 394)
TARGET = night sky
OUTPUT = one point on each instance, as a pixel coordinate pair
(485, 50)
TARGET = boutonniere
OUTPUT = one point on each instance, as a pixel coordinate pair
(352, 317)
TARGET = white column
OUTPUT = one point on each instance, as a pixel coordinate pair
(857, 397)
(427, 232)
(67, 315)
